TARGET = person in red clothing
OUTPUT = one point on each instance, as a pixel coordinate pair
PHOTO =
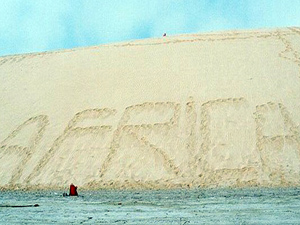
(73, 190)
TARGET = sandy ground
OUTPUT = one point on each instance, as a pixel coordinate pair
(215, 206)
(195, 110)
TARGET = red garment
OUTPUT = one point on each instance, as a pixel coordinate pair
(73, 190)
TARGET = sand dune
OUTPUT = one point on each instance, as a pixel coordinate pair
(215, 109)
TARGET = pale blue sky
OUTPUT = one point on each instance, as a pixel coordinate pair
(45, 25)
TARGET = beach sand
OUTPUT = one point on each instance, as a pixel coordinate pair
(195, 110)
(197, 206)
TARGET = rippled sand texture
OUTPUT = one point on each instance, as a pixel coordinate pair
(215, 109)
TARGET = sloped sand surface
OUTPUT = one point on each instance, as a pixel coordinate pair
(215, 109)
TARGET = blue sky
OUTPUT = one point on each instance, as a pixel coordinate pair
(45, 25)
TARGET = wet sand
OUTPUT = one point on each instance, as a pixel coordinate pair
(209, 206)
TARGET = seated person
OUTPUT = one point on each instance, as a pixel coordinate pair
(73, 190)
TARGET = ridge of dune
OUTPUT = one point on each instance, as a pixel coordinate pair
(218, 109)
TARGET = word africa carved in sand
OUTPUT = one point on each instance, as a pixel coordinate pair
(197, 124)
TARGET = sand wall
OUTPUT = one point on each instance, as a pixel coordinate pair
(216, 109)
